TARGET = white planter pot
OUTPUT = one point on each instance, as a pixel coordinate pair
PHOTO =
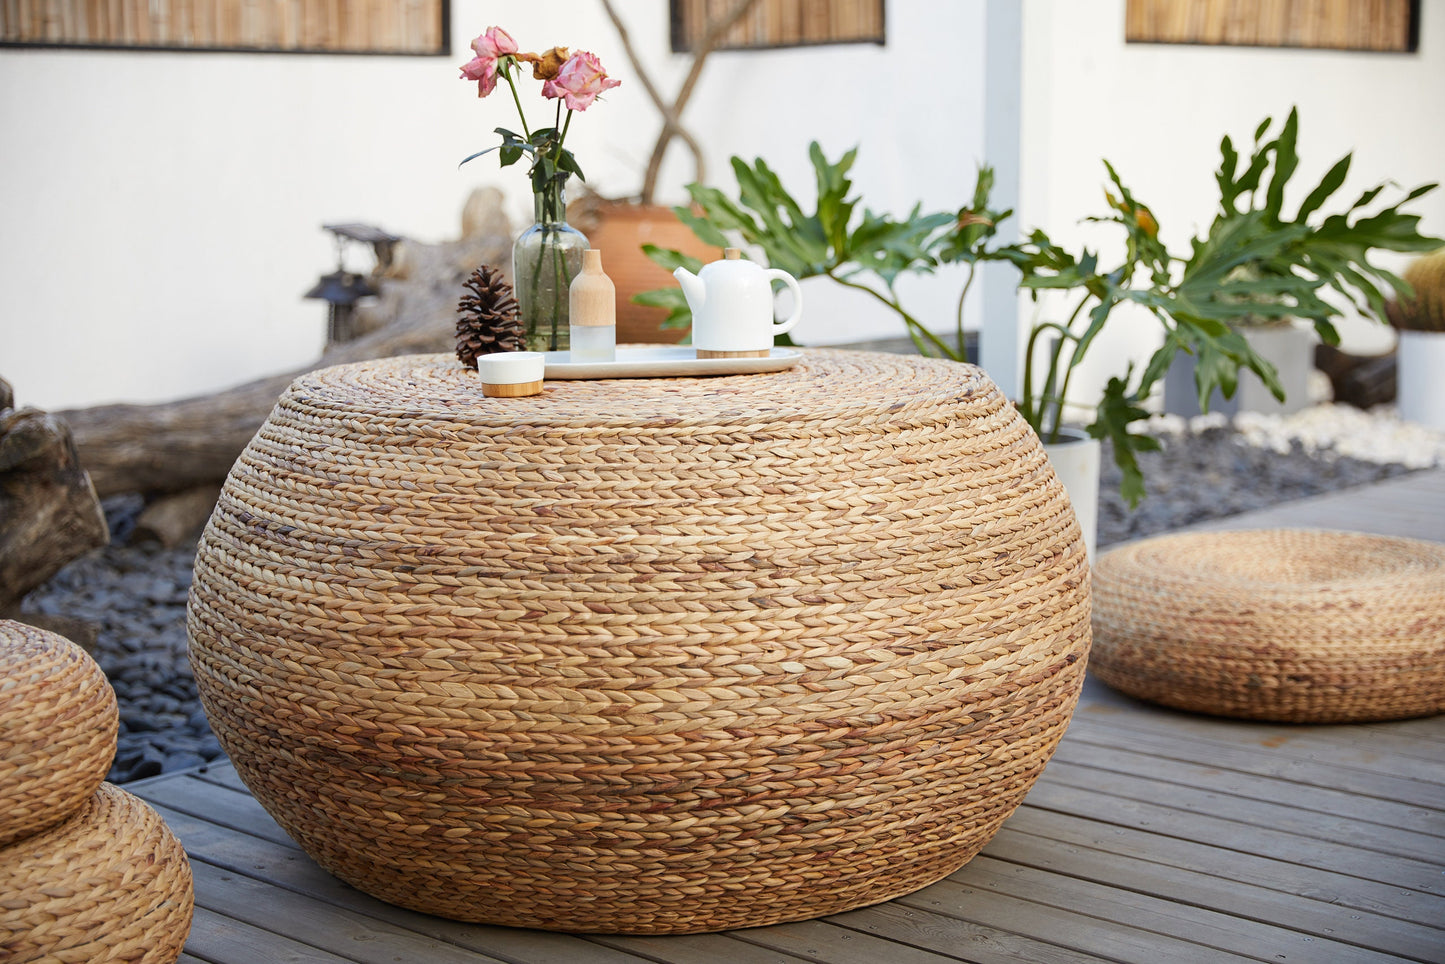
(1075, 458)
(1289, 348)
(1420, 378)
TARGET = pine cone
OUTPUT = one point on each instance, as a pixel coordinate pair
(487, 318)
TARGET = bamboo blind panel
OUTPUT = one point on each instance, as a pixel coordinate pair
(1385, 25)
(780, 23)
(340, 26)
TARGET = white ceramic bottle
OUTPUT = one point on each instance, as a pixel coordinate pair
(592, 312)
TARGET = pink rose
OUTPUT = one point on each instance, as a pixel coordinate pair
(579, 81)
(494, 43)
(482, 68)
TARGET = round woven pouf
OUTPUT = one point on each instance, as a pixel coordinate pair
(58, 724)
(650, 655)
(110, 884)
(1298, 626)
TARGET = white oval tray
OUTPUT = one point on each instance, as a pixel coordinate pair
(673, 361)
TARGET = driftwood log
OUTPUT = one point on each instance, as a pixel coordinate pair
(49, 514)
(1363, 381)
(177, 446)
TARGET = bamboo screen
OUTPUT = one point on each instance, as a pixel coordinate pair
(780, 23)
(331, 26)
(1385, 25)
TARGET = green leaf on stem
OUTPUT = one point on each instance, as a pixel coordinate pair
(1116, 411)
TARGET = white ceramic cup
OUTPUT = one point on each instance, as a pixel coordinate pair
(512, 373)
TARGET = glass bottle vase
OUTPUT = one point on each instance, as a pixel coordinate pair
(545, 259)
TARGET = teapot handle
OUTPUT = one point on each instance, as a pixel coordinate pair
(777, 273)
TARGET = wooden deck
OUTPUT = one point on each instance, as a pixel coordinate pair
(1153, 836)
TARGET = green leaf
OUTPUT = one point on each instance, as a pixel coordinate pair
(1248, 182)
(1116, 411)
(473, 157)
(1328, 185)
(670, 260)
(1158, 365)
(1228, 164)
(672, 299)
(1420, 191)
(567, 162)
(705, 230)
(721, 212)
(1286, 160)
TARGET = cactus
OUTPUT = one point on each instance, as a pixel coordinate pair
(1426, 310)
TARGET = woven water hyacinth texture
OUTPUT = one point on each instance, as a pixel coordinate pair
(1293, 625)
(112, 883)
(651, 655)
(58, 724)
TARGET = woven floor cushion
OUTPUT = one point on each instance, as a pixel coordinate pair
(1299, 626)
(112, 883)
(58, 723)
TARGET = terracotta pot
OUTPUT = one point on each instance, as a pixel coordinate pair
(620, 232)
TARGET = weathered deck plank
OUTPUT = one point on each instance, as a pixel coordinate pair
(1153, 835)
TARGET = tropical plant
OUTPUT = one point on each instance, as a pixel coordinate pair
(858, 249)
(1253, 262)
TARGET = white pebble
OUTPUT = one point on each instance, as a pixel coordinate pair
(1378, 435)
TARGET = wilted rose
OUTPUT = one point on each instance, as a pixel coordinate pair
(579, 81)
(492, 45)
(545, 65)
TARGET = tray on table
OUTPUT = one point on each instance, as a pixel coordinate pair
(671, 361)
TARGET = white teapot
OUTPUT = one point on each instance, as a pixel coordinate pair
(732, 307)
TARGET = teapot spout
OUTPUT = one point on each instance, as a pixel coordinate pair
(693, 289)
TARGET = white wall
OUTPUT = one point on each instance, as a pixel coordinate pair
(1158, 113)
(163, 210)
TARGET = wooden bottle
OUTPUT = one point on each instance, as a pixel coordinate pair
(592, 312)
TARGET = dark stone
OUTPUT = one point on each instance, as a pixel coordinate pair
(49, 513)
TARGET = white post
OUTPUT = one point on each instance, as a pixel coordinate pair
(999, 343)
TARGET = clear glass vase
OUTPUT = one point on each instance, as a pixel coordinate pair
(545, 259)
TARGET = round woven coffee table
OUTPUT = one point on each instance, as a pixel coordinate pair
(642, 655)
(1292, 625)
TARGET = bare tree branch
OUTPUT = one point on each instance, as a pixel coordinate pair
(671, 115)
(670, 121)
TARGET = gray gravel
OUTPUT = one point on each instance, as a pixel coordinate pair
(135, 596)
(1215, 472)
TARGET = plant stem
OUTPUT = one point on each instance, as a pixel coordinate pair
(915, 327)
(958, 324)
(521, 114)
(1032, 410)
(560, 291)
(1074, 359)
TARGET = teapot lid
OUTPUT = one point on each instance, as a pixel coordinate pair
(732, 254)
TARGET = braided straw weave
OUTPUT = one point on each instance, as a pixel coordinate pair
(110, 884)
(1293, 625)
(651, 655)
(58, 723)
